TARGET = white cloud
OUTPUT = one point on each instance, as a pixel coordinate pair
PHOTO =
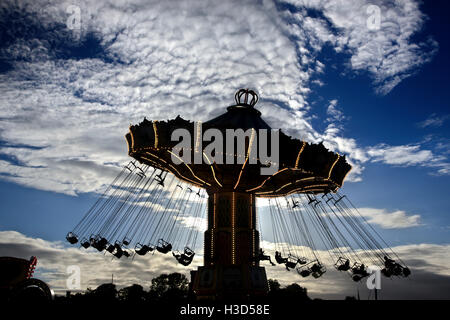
(410, 155)
(160, 59)
(335, 115)
(434, 120)
(390, 220)
(387, 53)
(180, 59)
(197, 223)
(400, 155)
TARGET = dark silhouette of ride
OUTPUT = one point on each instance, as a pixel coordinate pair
(17, 284)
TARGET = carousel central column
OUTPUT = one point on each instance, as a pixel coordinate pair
(230, 249)
(231, 238)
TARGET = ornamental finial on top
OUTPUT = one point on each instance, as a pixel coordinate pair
(246, 97)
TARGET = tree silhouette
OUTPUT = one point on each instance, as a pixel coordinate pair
(292, 292)
(169, 286)
(134, 293)
(170, 289)
(274, 285)
(106, 292)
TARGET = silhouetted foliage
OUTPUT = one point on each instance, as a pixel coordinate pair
(172, 289)
(134, 293)
(169, 286)
(106, 292)
(290, 292)
(273, 285)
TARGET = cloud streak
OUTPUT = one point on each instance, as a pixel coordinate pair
(390, 220)
(434, 120)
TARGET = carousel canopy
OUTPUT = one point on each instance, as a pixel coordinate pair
(302, 167)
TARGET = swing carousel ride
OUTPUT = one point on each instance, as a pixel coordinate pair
(158, 205)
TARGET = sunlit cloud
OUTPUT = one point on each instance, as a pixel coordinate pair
(70, 94)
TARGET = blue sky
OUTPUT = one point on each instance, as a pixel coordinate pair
(68, 94)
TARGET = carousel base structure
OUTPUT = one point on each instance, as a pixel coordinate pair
(216, 283)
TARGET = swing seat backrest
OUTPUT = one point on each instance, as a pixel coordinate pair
(188, 252)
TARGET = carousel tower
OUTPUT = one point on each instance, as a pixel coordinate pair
(242, 159)
(231, 241)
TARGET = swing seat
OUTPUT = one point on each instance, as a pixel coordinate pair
(292, 261)
(290, 264)
(397, 270)
(359, 270)
(279, 259)
(142, 249)
(386, 272)
(165, 249)
(71, 238)
(343, 267)
(304, 273)
(163, 246)
(92, 239)
(126, 241)
(160, 180)
(342, 264)
(185, 261)
(312, 267)
(184, 258)
(302, 260)
(318, 270)
(316, 267)
(188, 252)
(126, 253)
(85, 244)
(317, 274)
(100, 244)
(119, 252)
(110, 248)
(356, 278)
(389, 263)
(406, 272)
